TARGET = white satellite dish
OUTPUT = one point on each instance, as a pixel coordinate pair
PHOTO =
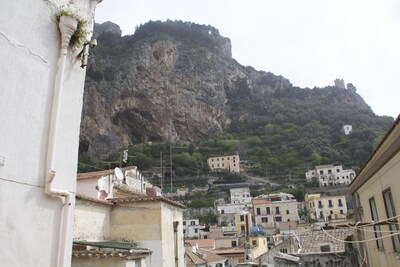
(119, 174)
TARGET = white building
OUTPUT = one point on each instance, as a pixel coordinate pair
(224, 163)
(330, 175)
(347, 129)
(240, 195)
(192, 228)
(105, 185)
(41, 93)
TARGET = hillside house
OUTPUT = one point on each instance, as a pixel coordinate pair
(330, 175)
(323, 208)
(347, 129)
(276, 211)
(224, 163)
(41, 93)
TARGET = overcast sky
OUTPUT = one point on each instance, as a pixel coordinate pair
(309, 42)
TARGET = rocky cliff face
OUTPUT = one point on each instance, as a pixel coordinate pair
(171, 81)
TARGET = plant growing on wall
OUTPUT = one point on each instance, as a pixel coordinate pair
(79, 36)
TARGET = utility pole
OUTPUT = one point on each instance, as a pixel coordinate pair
(170, 164)
(162, 171)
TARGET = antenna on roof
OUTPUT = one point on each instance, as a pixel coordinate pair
(119, 174)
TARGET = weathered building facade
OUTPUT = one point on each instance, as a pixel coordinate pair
(40, 101)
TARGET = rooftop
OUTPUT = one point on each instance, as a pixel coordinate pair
(99, 174)
(311, 241)
(94, 200)
(147, 199)
(201, 243)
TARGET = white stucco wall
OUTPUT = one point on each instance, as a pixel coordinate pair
(169, 215)
(91, 221)
(29, 49)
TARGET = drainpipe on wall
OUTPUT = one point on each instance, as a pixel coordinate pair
(67, 27)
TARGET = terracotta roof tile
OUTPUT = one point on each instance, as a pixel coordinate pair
(232, 250)
(95, 200)
(201, 243)
(147, 199)
(209, 256)
(98, 174)
(196, 259)
(103, 253)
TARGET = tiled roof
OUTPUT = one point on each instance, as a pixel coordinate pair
(95, 200)
(147, 199)
(109, 253)
(232, 250)
(196, 259)
(201, 243)
(98, 174)
(209, 256)
(311, 241)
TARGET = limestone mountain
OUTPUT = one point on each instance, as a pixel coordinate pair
(177, 81)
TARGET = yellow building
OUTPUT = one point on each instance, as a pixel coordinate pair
(224, 163)
(243, 222)
(325, 207)
(376, 200)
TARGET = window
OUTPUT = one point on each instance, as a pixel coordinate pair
(340, 203)
(391, 212)
(325, 248)
(192, 223)
(283, 250)
(374, 217)
(242, 218)
(320, 204)
(234, 244)
(329, 171)
(277, 210)
(337, 170)
(222, 165)
(184, 223)
(222, 158)
(254, 242)
(212, 166)
(222, 211)
(264, 219)
(287, 212)
(212, 159)
(138, 263)
(196, 230)
(278, 219)
(268, 210)
(184, 231)
(341, 211)
(242, 228)
(321, 172)
(330, 203)
(258, 211)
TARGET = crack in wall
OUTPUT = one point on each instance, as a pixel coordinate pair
(14, 43)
